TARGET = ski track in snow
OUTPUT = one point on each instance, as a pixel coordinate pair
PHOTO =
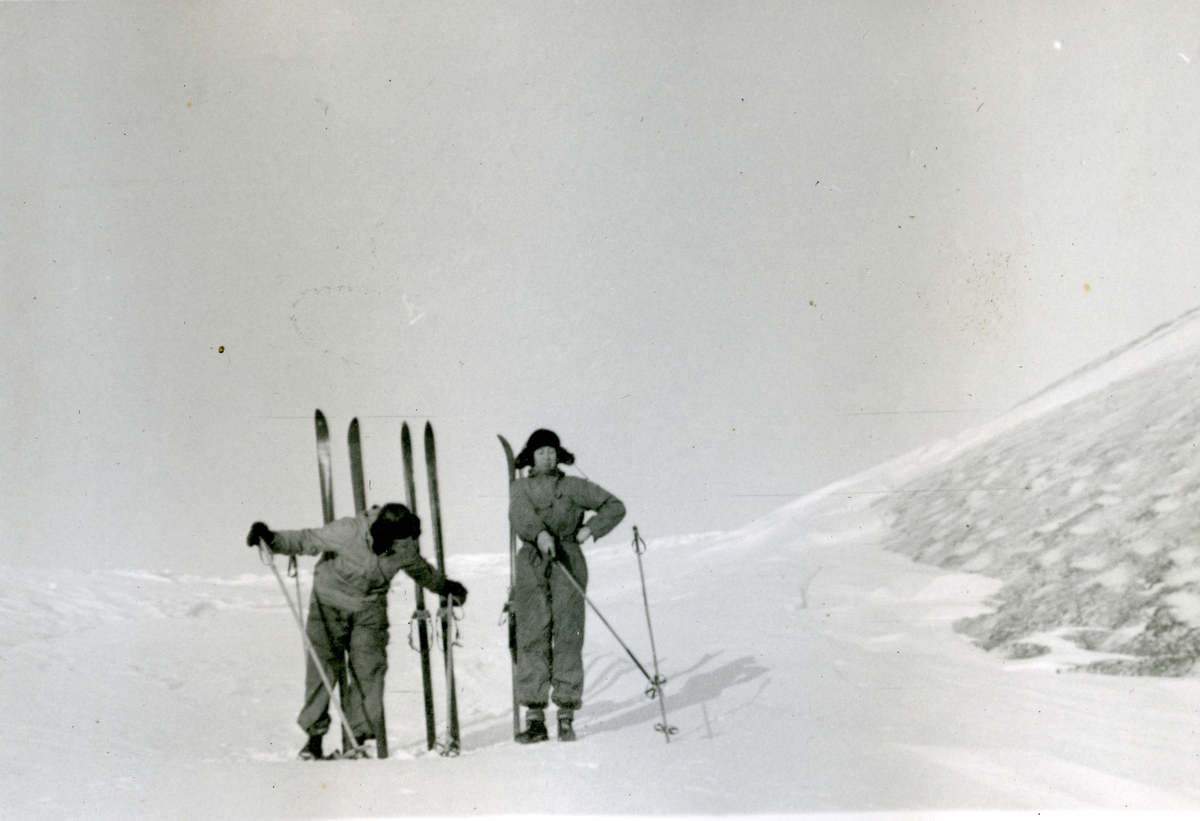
(813, 666)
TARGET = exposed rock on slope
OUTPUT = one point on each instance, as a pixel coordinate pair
(1086, 509)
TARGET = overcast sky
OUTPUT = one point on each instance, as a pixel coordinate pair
(730, 252)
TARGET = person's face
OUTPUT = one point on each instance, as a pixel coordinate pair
(545, 458)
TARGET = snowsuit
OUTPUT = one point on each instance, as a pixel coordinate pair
(347, 617)
(549, 610)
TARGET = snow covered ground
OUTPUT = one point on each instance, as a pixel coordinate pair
(813, 665)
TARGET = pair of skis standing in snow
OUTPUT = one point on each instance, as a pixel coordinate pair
(346, 635)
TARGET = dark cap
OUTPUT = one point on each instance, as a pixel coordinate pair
(542, 438)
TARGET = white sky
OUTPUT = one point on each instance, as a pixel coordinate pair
(730, 252)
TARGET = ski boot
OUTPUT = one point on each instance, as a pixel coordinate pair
(565, 731)
(312, 750)
(535, 731)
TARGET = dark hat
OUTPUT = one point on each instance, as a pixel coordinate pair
(393, 522)
(541, 438)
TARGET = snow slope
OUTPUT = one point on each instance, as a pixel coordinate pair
(1086, 510)
(813, 665)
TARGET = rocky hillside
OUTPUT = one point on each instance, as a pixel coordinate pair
(1087, 509)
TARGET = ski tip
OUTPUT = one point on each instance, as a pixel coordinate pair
(319, 418)
(508, 451)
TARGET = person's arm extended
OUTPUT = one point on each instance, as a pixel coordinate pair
(425, 574)
(414, 564)
(314, 541)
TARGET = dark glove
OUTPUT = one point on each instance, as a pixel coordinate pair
(454, 590)
(259, 532)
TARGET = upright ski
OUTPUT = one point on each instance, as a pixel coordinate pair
(325, 467)
(510, 608)
(446, 612)
(325, 472)
(354, 441)
(420, 616)
(356, 468)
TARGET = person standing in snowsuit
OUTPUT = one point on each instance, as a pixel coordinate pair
(347, 616)
(546, 510)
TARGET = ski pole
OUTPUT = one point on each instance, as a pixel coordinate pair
(639, 547)
(294, 572)
(269, 559)
(571, 578)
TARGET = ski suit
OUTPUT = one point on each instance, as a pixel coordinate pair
(549, 610)
(347, 616)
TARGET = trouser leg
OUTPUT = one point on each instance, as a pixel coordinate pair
(368, 663)
(352, 701)
(531, 594)
(567, 617)
(327, 630)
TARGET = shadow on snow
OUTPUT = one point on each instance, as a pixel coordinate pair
(608, 715)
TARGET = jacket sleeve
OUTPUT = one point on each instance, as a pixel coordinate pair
(609, 509)
(414, 564)
(332, 538)
(521, 514)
